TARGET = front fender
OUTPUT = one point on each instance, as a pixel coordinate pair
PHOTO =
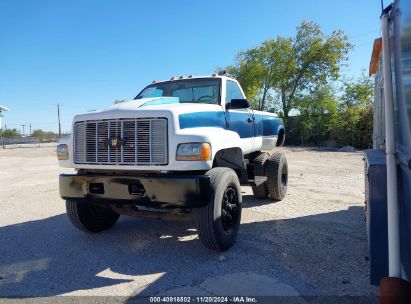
(219, 138)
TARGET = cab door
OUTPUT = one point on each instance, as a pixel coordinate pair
(240, 121)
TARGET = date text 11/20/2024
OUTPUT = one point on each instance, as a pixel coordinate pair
(203, 299)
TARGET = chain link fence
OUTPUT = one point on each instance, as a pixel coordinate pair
(26, 142)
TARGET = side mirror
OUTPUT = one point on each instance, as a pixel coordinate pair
(238, 104)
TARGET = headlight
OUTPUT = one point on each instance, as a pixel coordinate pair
(62, 152)
(194, 151)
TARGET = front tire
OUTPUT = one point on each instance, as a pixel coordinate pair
(219, 221)
(90, 217)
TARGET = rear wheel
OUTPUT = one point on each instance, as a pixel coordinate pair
(276, 170)
(261, 190)
(90, 217)
(219, 221)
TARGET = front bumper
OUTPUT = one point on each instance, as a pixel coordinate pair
(183, 191)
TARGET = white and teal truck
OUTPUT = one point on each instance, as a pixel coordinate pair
(181, 147)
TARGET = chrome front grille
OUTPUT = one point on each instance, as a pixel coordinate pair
(140, 141)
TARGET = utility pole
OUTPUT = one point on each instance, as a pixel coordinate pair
(23, 129)
(30, 130)
(58, 117)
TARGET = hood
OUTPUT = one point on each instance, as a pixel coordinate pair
(148, 106)
(137, 103)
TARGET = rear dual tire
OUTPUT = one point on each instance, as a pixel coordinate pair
(275, 168)
(261, 190)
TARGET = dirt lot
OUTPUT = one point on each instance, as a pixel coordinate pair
(312, 243)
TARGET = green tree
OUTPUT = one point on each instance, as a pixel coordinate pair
(318, 111)
(245, 73)
(259, 69)
(44, 135)
(9, 133)
(315, 59)
(38, 133)
(358, 93)
(354, 123)
(291, 67)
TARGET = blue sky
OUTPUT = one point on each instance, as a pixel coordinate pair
(85, 54)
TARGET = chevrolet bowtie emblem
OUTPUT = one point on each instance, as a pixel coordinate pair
(114, 142)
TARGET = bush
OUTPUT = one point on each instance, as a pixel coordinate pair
(350, 127)
(353, 127)
(43, 135)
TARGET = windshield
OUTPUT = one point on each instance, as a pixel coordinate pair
(196, 90)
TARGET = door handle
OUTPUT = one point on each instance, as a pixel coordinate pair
(250, 119)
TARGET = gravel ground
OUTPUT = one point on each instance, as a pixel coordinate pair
(311, 243)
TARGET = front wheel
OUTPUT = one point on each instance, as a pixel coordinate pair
(219, 221)
(90, 217)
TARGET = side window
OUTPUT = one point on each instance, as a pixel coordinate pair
(233, 91)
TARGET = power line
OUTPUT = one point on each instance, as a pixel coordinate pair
(48, 123)
(363, 34)
(363, 44)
